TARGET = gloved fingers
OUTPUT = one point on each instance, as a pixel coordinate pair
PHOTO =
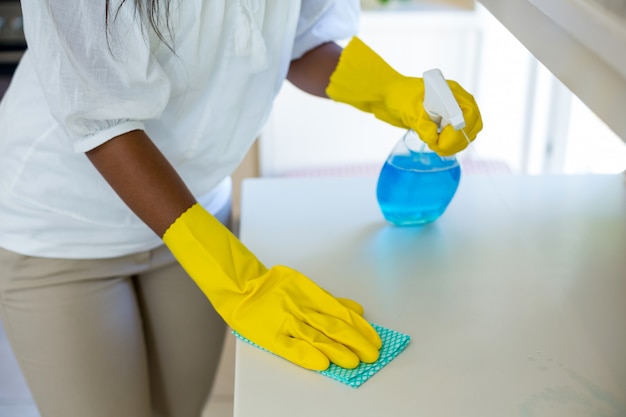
(461, 96)
(325, 304)
(473, 122)
(300, 352)
(313, 305)
(425, 128)
(352, 305)
(451, 141)
(471, 112)
(356, 334)
(335, 351)
(365, 329)
(348, 319)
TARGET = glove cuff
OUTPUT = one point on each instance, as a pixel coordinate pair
(361, 77)
(214, 258)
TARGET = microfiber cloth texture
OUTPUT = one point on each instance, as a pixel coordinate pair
(393, 343)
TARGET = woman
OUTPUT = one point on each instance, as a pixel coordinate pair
(118, 135)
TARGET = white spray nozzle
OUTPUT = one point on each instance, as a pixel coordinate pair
(439, 101)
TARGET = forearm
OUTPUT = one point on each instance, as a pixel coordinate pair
(311, 72)
(142, 177)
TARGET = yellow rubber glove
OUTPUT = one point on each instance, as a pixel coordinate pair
(279, 309)
(364, 80)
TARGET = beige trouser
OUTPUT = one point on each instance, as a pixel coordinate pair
(124, 337)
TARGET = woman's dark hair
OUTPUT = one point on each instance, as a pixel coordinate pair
(155, 12)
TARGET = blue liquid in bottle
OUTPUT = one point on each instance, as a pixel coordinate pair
(415, 187)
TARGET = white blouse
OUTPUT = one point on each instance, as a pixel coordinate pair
(79, 85)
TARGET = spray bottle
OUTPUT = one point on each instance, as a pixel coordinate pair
(415, 184)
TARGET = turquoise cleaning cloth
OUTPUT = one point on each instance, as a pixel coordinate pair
(393, 343)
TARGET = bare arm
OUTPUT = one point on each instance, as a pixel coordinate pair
(143, 178)
(311, 72)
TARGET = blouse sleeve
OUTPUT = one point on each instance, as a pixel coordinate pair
(97, 85)
(325, 21)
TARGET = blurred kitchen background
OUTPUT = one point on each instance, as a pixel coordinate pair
(532, 123)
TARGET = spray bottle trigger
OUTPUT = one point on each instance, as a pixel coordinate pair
(439, 102)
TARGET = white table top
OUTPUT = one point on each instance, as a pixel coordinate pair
(515, 298)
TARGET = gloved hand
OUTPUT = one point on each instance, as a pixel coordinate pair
(279, 309)
(364, 80)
